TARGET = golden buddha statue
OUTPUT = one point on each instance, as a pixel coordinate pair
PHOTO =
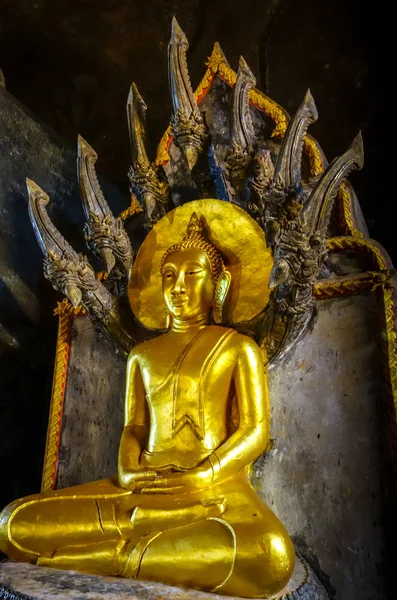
(181, 509)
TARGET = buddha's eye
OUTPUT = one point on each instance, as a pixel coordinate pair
(193, 271)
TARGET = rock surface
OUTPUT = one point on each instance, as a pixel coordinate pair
(95, 364)
(28, 582)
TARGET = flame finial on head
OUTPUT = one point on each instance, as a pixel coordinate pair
(194, 226)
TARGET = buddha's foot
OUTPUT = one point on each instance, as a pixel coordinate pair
(102, 558)
(148, 520)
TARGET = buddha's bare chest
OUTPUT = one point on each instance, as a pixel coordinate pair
(158, 363)
(177, 355)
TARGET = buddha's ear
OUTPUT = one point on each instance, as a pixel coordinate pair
(221, 290)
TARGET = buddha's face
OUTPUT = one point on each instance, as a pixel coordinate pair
(187, 284)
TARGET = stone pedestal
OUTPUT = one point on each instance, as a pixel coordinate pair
(21, 581)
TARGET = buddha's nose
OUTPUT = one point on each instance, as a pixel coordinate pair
(179, 286)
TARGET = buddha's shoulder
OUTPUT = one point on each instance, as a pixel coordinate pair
(221, 332)
(147, 347)
(239, 340)
(231, 339)
(235, 344)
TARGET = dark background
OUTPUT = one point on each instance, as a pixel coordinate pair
(72, 62)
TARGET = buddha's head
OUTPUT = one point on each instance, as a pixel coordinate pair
(195, 280)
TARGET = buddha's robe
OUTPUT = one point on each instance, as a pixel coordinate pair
(222, 538)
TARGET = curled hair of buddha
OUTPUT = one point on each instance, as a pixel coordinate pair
(196, 239)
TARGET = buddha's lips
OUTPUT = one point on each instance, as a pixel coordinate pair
(178, 302)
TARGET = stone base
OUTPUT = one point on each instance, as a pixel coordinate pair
(22, 581)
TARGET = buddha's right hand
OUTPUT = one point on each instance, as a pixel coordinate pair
(135, 479)
(132, 475)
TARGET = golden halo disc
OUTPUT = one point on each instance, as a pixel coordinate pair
(239, 238)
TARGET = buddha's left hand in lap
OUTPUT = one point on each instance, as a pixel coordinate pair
(171, 482)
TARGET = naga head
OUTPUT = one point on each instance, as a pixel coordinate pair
(68, 271)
